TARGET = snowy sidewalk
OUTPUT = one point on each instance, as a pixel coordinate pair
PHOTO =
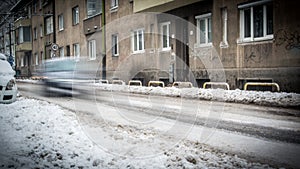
(37, 134)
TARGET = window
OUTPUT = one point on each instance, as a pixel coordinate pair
(41, 4)
(115, 45)
(42, 56)
(224, 43)
(24, 34)
(152, 35)
(68, 50)
(35, 33)
(61, 22)
(36, 59)
(165, 35)
(29, 11)
(75, 14)
(94, 7)
(204, 29)
(52, 54)
(256, 21)
(22, 61)
(114, 4)
(34, 7)
(76, 50)
(92, 49)
(49, 25)
(138, 41)
(41, 31)
(61, 52)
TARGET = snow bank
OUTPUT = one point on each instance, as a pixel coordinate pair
(37, 134)
(29, 81)
(281, 99)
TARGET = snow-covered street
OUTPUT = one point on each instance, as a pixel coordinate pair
(137, 127)
(38, 134)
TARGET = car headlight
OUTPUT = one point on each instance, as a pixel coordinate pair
(10, 84)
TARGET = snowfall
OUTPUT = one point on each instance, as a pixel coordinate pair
(39, 134)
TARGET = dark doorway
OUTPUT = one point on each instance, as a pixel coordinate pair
(182, 50)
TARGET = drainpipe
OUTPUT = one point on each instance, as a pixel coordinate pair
(54, 24)
(10, 50)
(103, 41)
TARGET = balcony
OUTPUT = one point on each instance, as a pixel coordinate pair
(159, 5)
(23, 47)
(22, 22)
(92, 24)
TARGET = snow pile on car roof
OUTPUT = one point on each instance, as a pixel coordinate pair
(5, 68)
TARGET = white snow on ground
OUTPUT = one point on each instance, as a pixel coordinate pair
(38, 134)
(281, 99)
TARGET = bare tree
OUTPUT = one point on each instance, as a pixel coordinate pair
(5, 6)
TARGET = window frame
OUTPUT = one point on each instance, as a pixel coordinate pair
(49, 25)
(41, 4)
(34, 6)
(137, 40)
(97, 11)
(76, 50)
(207, 18)
(29, 8)
(114, 4)
(41, 31)
(22, 61)
(115, 44)
(168, 44)
(92, 49)
(252, 38)
(61, 52)
(36, 59)
(24, 35)
(60, 22)
(75, 15)
(42, 56)
(34, 33)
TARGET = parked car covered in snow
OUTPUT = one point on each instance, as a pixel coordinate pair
(8, 86)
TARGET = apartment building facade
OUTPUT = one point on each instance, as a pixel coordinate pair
(232, 41)
(195, 40)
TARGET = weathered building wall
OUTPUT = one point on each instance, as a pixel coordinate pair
(71, 34)
(129, 65)
(228, 58)
(274, 60)
(38, 43)
(235, 61)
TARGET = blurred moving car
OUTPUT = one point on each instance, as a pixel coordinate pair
(67, 76)
(8, 86)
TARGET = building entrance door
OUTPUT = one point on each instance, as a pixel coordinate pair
(182, 50)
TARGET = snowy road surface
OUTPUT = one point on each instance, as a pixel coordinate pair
(121, 130)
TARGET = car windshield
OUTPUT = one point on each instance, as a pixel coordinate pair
(60, 65)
